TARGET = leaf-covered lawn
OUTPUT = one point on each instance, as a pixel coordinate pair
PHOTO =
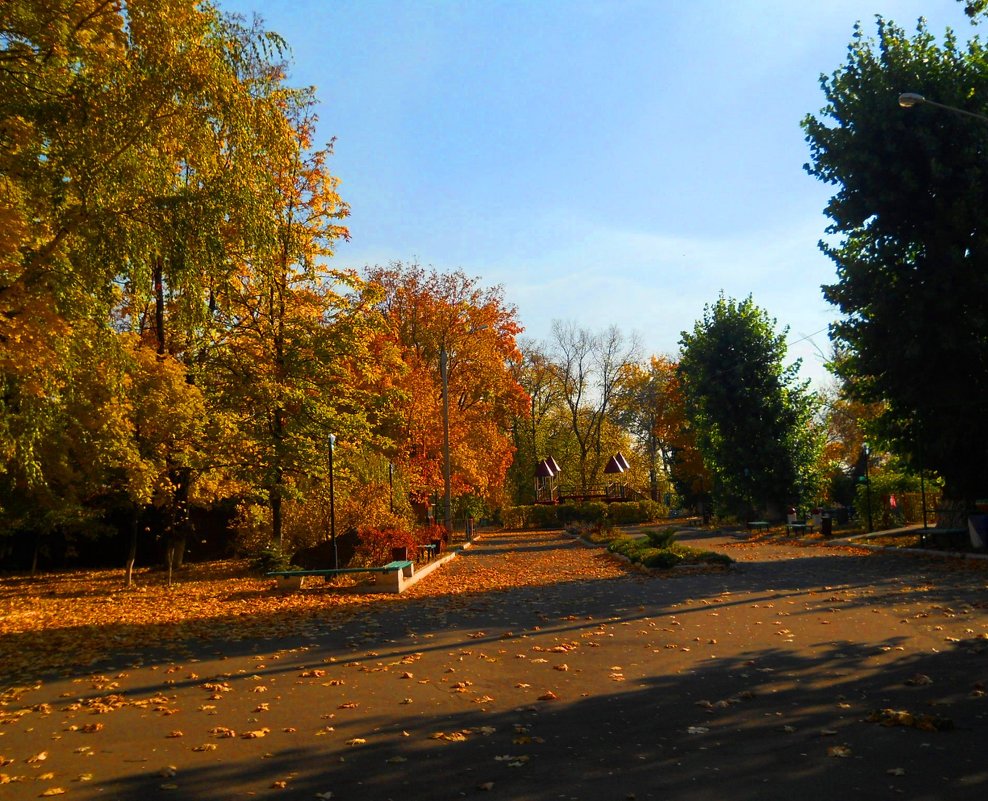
(71, 619)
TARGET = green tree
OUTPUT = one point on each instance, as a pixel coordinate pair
(911, 245)
(752, 419)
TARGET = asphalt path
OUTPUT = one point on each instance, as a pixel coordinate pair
(534, 668)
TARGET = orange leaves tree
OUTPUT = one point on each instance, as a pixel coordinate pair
(650, 406)
(297, 351)
(428, 314)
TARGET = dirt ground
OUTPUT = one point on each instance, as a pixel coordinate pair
(529, 668)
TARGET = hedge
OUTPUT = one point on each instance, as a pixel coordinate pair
(558, 515)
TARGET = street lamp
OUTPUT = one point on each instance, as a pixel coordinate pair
(910, 99)
(391, 486)
(447, 478)
(332, 504)
(867, 479)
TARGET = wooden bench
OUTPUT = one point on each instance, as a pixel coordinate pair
(388, 578)
(757, 525)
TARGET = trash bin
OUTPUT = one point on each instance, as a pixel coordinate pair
(826, 524)
(977, 527)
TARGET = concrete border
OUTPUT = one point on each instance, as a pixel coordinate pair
(391, 585)
(855, 541)
(421, 572)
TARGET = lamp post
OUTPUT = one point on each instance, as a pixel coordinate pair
(447, 478)
(391, 486)
(332, 504)
(911, 99)
(867, 478)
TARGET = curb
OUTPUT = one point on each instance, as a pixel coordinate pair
(853, 542)
(435, 564)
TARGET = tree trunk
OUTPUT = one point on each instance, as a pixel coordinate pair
(178, 550)
(132, 552)
(179, 530)
(952, 513)
(159, 305)
(276, 516)
(34, 557)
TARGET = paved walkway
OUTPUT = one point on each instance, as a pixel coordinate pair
(533, 668)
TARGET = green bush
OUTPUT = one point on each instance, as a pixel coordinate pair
(631, 512)
(630, 547)
(662, 538)
(662, 558)
(714, 558)
(562, 514)
(272, 558)
(660, 551)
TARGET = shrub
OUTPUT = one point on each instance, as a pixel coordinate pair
(662, 538)
(629, 546)
(712, 557)
(630, 512)
(562, 514)
(666, 553)
(376, 543)
(662, 558)
(543, 516)
(515, 517)
(271, 558)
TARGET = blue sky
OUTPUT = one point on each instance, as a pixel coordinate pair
(607, 162)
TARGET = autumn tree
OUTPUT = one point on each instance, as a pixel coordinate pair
(295, 357)
(650, 406)
(753, 420)
(540, 430)
(590, 367)
(433, 315)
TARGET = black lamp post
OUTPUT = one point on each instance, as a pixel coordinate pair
(447, 478)
(867, 480)
(332, 504)
(391, 486)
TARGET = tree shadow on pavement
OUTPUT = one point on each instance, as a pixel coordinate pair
(771, 725)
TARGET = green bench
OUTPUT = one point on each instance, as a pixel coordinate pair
(801, 528)
(758, 525)
(428, 552)
(387, 578)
